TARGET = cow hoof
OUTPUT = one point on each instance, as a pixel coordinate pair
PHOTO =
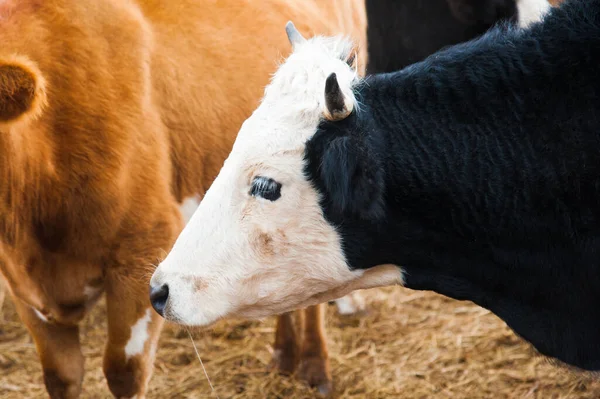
(59, 388)
(325, 389)
(315, 372)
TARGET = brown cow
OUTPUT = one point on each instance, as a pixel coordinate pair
(114, 114)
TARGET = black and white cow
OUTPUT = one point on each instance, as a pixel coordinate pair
(400, 33)
(475, 174)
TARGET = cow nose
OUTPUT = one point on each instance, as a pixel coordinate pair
(158, 298)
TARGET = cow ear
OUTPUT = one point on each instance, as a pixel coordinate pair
(353, 179)
(337, 105)
(22, 90)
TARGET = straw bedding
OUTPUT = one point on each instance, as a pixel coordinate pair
(410, 345)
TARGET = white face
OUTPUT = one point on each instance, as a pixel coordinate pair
(258, 244)
(531, 11)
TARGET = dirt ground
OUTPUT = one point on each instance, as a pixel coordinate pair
(410, 345)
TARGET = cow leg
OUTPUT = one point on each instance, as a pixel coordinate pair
(287, 343)
(59, 350)
(133, 331)
(2, 296)
(314, 358)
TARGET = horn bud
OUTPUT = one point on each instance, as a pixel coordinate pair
(336, 106)
(293, 35)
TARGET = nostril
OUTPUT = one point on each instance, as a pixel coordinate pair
(158, 298)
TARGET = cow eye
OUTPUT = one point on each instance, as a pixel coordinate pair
(266, 188)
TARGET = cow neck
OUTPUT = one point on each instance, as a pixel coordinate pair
(26, 163)
(493, 174)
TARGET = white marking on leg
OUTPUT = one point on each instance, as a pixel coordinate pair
(139, 335)
(350, 304)
(40, 315)
(90, 292)
(188, 207)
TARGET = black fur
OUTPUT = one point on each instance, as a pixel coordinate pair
(482, 164)
(353, 176)
(402, 32)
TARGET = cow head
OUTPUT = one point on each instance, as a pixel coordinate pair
(38, 274)
(260, 242)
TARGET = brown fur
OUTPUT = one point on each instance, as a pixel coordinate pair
(286, 354)
(314, 364)
(263, 243)
(111, 113)
(200, 284)
(299, 345)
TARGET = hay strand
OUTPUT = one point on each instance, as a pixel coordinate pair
(202, 364)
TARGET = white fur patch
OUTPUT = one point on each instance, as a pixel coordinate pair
(531, 11)
(40, 315)
(90, 292)
(188, 207)
(350, 304)
(139, 336)
(345, 306)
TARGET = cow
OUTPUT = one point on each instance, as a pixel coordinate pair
(474, 173)
(400, 33)
(115, 116)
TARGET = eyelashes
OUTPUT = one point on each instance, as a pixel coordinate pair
(265, 187)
